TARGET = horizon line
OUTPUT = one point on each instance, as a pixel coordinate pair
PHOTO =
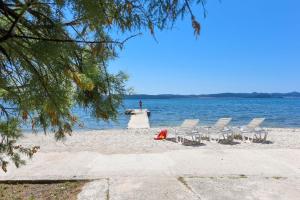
(216, 93)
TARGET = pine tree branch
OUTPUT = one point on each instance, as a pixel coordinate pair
(189, 8)
(10, 31)
(4, 110)
(75, 41)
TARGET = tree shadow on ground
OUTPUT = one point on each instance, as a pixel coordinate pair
(222, 141)
(238, 137)
(226, 142)
(263, 142)
(187, 142)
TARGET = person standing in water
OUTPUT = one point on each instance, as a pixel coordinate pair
(141, 104)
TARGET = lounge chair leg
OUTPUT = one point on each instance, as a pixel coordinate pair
(232, 137)
(179, 139)
(265, 137)
(253, 136)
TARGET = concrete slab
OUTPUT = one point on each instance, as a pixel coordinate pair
(94, 190)
(149, 188)
(243, 187)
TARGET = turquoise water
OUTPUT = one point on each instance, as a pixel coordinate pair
(171, 112)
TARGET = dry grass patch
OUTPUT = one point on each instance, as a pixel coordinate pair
(40, 191)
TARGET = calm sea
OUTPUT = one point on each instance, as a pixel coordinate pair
(171, 112)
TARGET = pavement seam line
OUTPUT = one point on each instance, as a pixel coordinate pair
(185, 184)
(107, 191)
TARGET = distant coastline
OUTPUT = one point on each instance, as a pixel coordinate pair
(220, 95)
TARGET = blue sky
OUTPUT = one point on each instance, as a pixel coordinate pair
(245, 46)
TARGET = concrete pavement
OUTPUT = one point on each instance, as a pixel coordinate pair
(177, 174)
(194, 188)
(194, 162)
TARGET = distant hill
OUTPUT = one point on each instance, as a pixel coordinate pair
(220, 95)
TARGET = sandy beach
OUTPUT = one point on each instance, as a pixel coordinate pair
(139, 141)
(131, 164)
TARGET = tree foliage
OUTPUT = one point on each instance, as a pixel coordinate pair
(54, 54)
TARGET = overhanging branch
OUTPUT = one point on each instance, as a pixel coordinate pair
(75, 41)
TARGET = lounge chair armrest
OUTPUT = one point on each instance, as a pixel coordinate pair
(227, 128)
(258, 129)
(236, 128)
(183, 131)
(261, 130)
(201, 129)
(212, 129)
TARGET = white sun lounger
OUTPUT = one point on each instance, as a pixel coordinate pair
(188, 129)
(253, 130)
(220, 128)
